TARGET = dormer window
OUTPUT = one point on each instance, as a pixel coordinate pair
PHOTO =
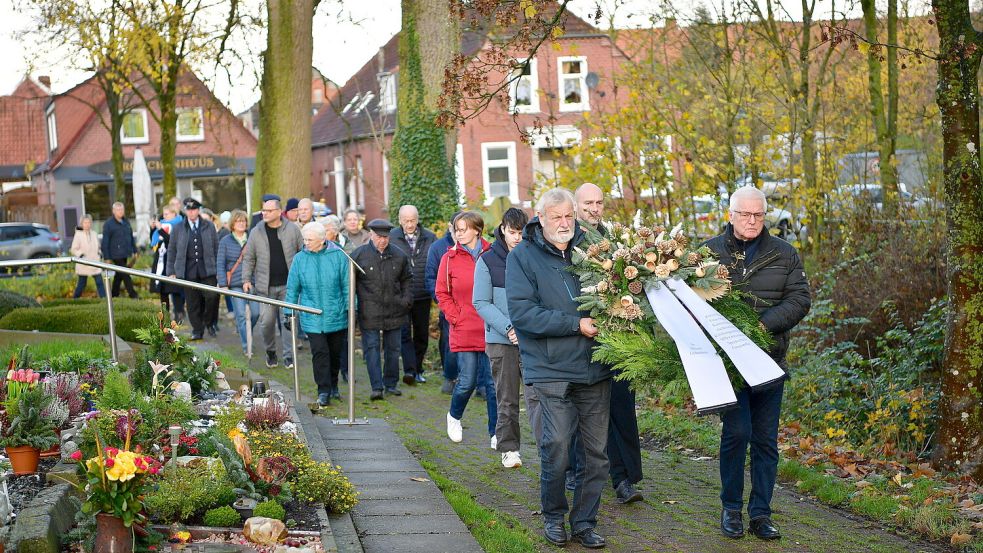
(387, 92)
(52, 130)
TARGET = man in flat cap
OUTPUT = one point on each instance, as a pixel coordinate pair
(194, 245)
(384, 300)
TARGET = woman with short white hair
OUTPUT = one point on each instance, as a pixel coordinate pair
(319, 278)
(85, 244)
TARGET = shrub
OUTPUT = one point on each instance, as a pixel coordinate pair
(317, 482)
(81, 319)
(10, 301)
(270, 509)
(46, 282)
(223, 517)
(179, 497)
(268, 416)
(116, 392)
(228, 417)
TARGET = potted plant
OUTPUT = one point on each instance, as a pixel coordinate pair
(29, 431)
(114, 488)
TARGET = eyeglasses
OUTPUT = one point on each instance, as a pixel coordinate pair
(759, 215)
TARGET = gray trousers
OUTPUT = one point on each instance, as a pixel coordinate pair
(269, 315)
(567, 408)
(507, 372)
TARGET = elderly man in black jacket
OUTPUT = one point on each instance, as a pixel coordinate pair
(194, 245)
(555, 345)
(414, 241)
(118, 246)
(384, 300)
(769, 269)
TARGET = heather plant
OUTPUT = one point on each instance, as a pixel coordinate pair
(268, 416)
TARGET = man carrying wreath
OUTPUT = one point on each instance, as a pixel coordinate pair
(770, 271)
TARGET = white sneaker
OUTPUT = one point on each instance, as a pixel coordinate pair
(454, 430)
(511, 460)
(494, 442)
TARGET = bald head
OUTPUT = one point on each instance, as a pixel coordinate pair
(590, 203)
(409, 219)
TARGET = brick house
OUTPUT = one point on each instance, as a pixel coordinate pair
(565, 81)
(215, 154)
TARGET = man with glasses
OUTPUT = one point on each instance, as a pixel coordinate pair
(770, 271)
(270, 250)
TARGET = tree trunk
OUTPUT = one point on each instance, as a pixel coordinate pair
(283, 158)
(114, 106)
(439, 34)
(422, 153)
(166, 103)
(884, 115)
(961, 407)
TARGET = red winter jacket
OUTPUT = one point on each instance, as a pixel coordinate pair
(455, 282)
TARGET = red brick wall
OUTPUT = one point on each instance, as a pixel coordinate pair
(495, 124)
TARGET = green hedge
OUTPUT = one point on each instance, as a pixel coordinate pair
(83, 318)
(12, 300)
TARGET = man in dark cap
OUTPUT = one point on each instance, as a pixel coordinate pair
(194, 245)
(290, 210)
(384, 300)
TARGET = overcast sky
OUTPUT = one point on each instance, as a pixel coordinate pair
(347, 33)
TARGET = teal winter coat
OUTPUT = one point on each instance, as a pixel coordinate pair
(320, 280)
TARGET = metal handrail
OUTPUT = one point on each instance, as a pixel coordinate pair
(178, 282)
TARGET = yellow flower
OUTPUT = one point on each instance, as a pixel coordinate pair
(234, 432)
(123, 468)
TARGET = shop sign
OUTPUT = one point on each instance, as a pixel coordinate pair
(184, 164)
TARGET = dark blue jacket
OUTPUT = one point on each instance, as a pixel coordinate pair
(228, 253)
(177, 253)
(436, 253)
(117, 239)
(545, 314)
(418, 259)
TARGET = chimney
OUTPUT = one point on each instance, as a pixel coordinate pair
(45, 80)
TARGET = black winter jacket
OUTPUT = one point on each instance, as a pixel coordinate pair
(177, 252)
(545, 314)
(417, 257)
(384, 293)
(117, 239)
(775, 279)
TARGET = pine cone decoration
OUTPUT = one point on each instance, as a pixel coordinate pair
(638, 249)
(681, 239)
(593, 250)
(644, 232)
(635, 287)
(604, 245)
(692, 258)
(722, 272)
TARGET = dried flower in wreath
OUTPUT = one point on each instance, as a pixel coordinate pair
(631, 272)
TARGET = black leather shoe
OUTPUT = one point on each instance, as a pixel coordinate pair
(731, 524)
(763, 528)
(376, 395)
(555, 533)
(409, 379)
(196, 337)
(590, 539)
(627, 493)
(394, 391)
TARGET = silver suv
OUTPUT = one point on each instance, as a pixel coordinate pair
(28, 241)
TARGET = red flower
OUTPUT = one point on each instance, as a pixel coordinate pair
(77, 455)
(112, 451)
(109, 463)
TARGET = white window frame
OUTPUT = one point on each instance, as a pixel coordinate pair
(52, 130)
(387, 92)
(340, 187)
(533, 78)
(510, 163)
(145, 139)
(584, 104)
(201, 129)
(462, 185)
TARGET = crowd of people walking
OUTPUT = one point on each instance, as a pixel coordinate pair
(510, 326)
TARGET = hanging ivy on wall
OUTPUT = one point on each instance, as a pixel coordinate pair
(422, 174)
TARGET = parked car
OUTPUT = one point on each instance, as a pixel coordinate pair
(321, 210)
(873, 194)
(28, 241)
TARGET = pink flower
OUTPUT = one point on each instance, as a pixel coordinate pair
(110, 462)
(77, 455)
(35, 378)
(112, 451)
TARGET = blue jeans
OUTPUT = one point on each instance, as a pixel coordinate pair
(474, 371)
(80, 286)
(568, 408)
(448, 359)
(378, 377)
(239, 308)
(754, 422)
